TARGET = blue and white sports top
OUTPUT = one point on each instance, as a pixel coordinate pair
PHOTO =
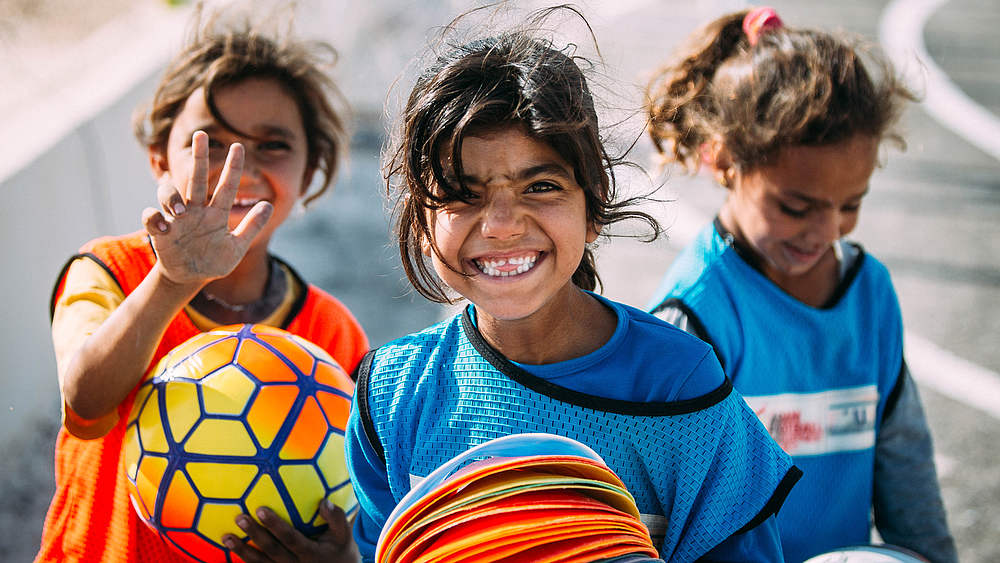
(818, 377)
(700, 468)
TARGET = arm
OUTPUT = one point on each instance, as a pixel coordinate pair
(193, 247)
(113, 358)
(89, 295)
(907, 500)
(371, 484)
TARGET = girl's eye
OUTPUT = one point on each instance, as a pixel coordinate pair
(542, 187)
(272, 146)
(851, 208)
(465, 193)
(792, 211)
(468, 197)
(215, 144)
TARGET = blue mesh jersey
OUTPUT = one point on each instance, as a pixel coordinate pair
(818, 377)
(701, 468)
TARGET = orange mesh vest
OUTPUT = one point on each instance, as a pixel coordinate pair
(90, 518)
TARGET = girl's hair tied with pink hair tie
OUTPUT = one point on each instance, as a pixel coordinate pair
(759, 20)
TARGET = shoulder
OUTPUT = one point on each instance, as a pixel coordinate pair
(396, 369)
(315, 303)
(656, 332)
(137, 240)
(872, 266)
(439, 339)
(329, 305)
(128, 257)
(125, 259)
(871, 277)
(676, 365)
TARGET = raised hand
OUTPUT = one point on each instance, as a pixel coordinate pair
(278, 542)
(191, 233)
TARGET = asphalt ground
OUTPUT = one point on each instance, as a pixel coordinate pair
(931, 218)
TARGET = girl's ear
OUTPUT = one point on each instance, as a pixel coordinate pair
(157, 162)
(719, 160)
(593, 231)
(425, 246)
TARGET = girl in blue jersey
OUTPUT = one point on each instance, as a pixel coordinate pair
(502, 183)
(805, 324)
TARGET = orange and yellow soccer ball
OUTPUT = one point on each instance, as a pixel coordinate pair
(231, 420)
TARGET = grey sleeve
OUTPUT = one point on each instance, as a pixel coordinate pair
(907, 499)
(675, 313)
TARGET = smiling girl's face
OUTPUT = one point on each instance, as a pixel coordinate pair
(513, 247)
(790, 212)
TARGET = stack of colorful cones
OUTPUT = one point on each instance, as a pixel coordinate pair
(526, 497)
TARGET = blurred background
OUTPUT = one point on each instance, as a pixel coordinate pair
(72, 72)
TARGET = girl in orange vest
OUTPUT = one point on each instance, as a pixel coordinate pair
(239, 125)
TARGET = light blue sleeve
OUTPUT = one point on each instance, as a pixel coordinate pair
(757, 544)
(371, 486)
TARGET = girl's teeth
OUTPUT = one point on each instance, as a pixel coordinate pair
(492, 267)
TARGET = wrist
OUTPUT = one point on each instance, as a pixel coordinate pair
(184, 290)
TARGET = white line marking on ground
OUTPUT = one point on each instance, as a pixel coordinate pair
(952, 376)
(901, 32)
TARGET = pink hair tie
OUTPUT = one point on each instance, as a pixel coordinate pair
(758, 21)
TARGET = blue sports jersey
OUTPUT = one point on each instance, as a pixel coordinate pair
(818, 377)
(700, 466)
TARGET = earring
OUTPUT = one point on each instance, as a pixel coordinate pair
(726, 176)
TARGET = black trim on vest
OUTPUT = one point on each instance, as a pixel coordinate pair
(364, 412)
(742, 250)
(753, 261)
(773, 505)
(849, 276)
(62, 273)
(619, 406)
(300, 301)
(897, 390)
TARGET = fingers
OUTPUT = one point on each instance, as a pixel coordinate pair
(171, 201)
(241, 548)
(275, 538)
(269, 546)
(338, 543)
(154, 222)
(286, 535)
(338, 528)
(229, 181)
(254, 221)
(197, 186)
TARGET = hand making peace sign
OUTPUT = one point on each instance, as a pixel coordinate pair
(190, 232)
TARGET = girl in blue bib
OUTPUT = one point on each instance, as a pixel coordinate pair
(806, 324)
(502, 185)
